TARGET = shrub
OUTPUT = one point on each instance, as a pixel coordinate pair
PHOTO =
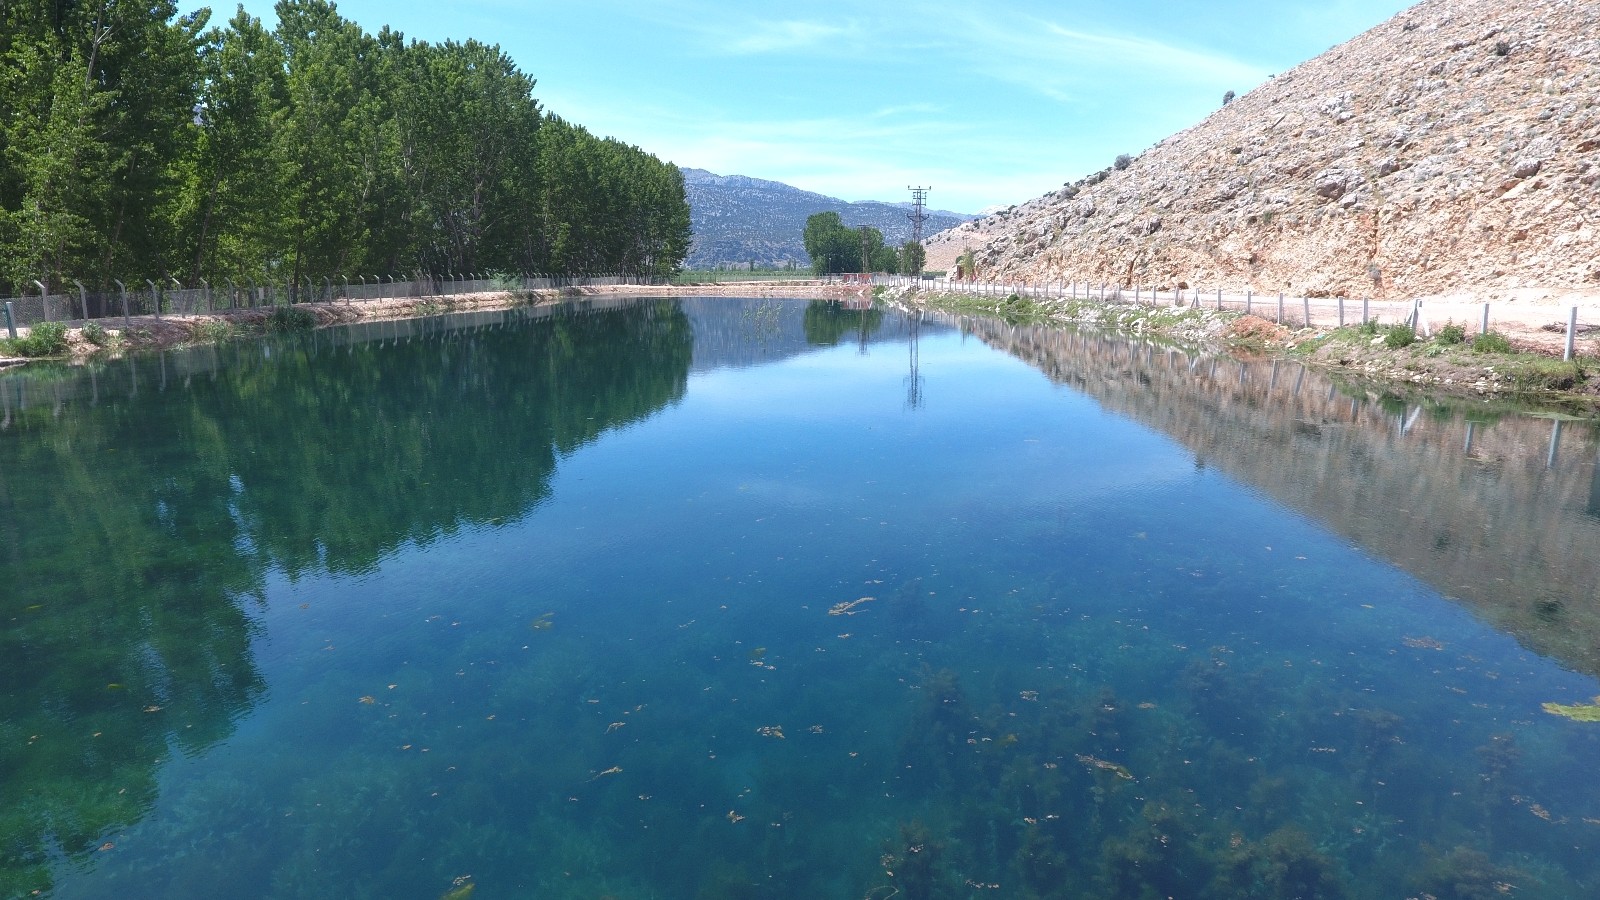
(209, 331)
(1370, 328)
(290, 318)
(95, 334)
(1491, 342)
(44, 339)
(1122, 162)
(1451, 334)
(1400, 336)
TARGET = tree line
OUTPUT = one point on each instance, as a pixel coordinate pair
(136, 143)
(835, 247)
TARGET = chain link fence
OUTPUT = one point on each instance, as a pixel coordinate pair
(151, 298)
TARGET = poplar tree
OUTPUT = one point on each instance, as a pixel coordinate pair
(231, 216)
(135, 143)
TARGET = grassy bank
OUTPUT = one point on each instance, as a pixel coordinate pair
(1486, 363)
(1390, 356)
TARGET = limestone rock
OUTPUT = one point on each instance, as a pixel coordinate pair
(1455, 149)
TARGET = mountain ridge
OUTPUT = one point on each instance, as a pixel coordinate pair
(738, 220)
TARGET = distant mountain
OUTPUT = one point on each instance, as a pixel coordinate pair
(739, 220)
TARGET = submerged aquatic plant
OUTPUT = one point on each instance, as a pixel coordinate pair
(1578, 712)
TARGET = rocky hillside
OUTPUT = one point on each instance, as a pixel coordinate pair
(1453, 150)
(738, 220)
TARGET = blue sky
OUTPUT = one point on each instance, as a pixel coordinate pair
(990, 103)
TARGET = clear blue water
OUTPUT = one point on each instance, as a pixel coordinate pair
(720, 599)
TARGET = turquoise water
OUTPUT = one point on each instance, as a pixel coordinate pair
(762, 599)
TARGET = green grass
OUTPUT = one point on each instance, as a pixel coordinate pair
(1491, 342)
(1533, 372)
(1451, 355)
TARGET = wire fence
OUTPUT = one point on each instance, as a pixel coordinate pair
(1304, 312)
(736, 276)
(152, 298)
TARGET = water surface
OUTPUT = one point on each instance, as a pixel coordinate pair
(711, 598)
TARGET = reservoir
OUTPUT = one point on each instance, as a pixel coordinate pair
(707, 598)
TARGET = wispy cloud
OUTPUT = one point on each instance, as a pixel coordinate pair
(781, 37)
(1065, 62)
(1147, 54)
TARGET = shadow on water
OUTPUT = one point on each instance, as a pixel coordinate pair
(1494, 507)
(144, 502)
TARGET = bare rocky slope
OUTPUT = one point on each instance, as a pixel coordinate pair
(1452, 151)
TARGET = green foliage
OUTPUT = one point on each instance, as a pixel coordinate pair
(833, 248)
(94, 119)
(1578, 712)
(212, 331)
(95, 333)
(912, 257)
(1451, 335)
(886, 259)
(1369, 328)
(138, 143)
(1491, 342)
(1399, 336)
(966, 266)
(288, 319)
(43, 339)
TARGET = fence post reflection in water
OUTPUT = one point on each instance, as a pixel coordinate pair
(1593, 508)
